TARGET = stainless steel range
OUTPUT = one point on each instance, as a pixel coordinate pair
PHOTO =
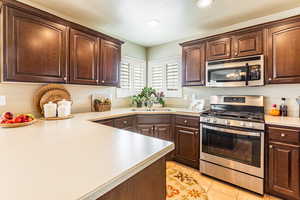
(232, 141)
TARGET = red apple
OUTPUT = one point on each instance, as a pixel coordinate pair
(18, 120)
(3, 121)
(7, 115)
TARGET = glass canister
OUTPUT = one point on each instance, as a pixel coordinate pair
(50, 109)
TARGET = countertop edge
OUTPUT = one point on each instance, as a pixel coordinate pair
(103, 189)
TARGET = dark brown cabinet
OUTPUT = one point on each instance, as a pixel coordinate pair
(163, 131)
(283, 64)
(283, 162)
(110, 63)
(218, 49)
(284, 170)
(41, 47)
(193, 65)
(84, 58)
(187, 146)
(35, 48)
(247, 44)
(146, 129)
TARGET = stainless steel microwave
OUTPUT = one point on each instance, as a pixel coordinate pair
(241, 72)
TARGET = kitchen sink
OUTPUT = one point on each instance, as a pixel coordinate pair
(152, 109)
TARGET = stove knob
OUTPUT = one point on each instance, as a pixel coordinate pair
(227, 122)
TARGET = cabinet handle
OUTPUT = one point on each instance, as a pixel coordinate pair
(185, 121)
(125, 122)
(270, 79)
(282, 135)
(271, 146)
(236, 53)
(103, 81)
(196, 133)
(186, 132)
(97, 81)
(65, 78)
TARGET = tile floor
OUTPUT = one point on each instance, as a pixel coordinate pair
(218, 190)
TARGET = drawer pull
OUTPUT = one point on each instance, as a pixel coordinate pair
(186, 132)
(271, 146)
(125, 122)
(185, 121)
(282, 135)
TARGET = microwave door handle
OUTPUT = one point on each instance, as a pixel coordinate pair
(247, 74)
(233, 131)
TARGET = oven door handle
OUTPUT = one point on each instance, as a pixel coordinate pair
(233, 131)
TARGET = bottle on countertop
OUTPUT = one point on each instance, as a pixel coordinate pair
(283, 108)
(274, 111)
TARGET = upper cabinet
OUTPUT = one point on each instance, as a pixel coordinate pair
(40, 47)
(218, 49)
(193, 65)
(110, 66)
(35, 49)
(84, 58)
(283, 64)
(247, 44)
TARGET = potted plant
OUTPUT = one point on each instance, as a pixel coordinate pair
(138, 100)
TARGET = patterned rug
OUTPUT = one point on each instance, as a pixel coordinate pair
(183, 183)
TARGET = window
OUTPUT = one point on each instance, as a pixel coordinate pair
(132, 76)
(165, 76)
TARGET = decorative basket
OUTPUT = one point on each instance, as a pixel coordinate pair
(102, 107)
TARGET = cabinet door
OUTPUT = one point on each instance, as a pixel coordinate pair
(36, 49)
(218, 49)
(284, 170)
(248, 44)
(84, 58)
(109, 122)
(283, 64)
(193, 59)
(110, 59)
(187, 146)
(163, 131)
(146, 129)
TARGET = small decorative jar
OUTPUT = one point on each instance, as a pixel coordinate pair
(50, 109)
(64, 108)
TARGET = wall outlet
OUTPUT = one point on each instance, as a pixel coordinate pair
(2, 100)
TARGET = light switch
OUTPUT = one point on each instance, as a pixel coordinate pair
(2, 100)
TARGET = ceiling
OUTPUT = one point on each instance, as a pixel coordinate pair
(179, 19)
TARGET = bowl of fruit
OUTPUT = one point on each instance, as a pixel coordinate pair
(9, 121)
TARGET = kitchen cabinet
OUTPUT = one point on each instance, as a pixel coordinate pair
(110, 63)
(283, 64)
(163, 131)
(218, 49)
(146, 129)
(247, 44)
(35, 48)
(109, 122)
(193, 65)
(283, 162)
(126, 123)
(41, 47)
(187, 146)
(187, 140)
(84, 58)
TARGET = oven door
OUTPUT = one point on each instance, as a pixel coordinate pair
(237, 149)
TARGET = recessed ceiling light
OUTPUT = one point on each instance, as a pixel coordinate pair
(204, 3)
(153, 23)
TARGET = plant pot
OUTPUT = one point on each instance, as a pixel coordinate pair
(139, 105)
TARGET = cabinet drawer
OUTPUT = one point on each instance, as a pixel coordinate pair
(188, 121)
(284, 135)
(124, 122)
(153, 119)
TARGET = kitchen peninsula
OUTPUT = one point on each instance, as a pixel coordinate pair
(79, 159)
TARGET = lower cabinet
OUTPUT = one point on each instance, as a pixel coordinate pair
(145, 129)
(283, 163)
(182, 130)
(187, 146)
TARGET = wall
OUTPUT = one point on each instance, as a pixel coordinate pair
(273, 93)
(19, 96)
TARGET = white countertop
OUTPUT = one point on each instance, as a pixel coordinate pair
(282, 121)
(73, 159)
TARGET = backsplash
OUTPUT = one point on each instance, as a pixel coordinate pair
(19, 97)
(272, 93)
